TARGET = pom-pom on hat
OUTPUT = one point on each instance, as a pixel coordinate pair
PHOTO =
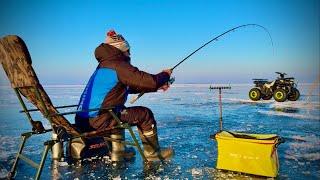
(117, 40)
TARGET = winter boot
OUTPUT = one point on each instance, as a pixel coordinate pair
(151, 148)
(119, 152)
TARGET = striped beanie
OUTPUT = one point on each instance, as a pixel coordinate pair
(117, 40)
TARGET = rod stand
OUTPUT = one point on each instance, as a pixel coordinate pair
(220, 101)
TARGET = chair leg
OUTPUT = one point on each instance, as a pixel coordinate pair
(24, 138)
(47, 146)
(137, 144)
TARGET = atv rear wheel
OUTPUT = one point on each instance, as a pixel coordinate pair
(280, 95)
(294, 95)
(255, 94)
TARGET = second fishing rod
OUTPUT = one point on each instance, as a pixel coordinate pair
(134, 99)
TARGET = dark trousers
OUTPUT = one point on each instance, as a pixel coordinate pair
(139, 116)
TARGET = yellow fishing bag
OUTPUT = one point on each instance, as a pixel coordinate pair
(248, 153)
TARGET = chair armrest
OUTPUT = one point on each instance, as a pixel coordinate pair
(57, 107)
(78, 111)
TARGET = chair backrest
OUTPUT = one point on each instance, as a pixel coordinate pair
(17, 64)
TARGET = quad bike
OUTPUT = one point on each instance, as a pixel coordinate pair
(281, 89)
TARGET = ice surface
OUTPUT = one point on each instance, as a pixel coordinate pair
(292, 115)
(3, 173)
(187, 114)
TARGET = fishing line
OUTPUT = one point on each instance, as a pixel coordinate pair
(213, 39)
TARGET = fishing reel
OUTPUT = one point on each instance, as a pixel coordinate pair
(171, 80)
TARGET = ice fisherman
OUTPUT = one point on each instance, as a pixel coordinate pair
(110, 85)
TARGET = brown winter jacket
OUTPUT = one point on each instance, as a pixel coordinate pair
(130, 77)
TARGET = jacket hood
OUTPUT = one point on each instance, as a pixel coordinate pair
(105, 52)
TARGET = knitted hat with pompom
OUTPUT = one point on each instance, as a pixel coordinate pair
(117, 40)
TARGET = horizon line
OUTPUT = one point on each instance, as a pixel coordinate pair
(61, 85)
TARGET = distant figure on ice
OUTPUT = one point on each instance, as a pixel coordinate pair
(110, 85)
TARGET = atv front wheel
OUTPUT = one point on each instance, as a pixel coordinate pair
(280, 95)
(294, 95)
(255, 94)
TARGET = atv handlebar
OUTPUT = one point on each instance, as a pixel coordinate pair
(260, 79)
(281, 74)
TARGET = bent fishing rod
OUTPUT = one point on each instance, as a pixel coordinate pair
(134, 99)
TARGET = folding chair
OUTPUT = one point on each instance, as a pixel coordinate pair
(17, 64)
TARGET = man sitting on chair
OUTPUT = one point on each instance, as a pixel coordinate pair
(110, 85)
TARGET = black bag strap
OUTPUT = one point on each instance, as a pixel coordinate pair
(244, 136)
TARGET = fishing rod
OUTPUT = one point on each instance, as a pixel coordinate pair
(134, 99)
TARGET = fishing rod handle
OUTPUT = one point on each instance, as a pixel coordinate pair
(134, 99)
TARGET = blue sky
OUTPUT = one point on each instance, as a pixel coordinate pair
(62, 35)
